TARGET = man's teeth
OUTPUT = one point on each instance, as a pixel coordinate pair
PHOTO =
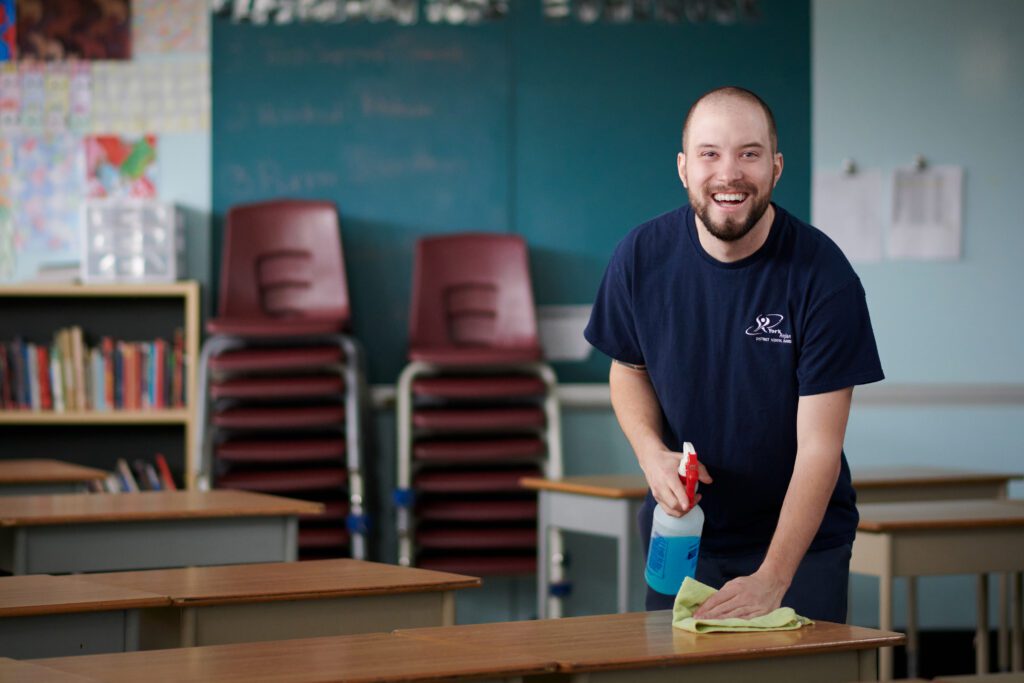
(722, 197)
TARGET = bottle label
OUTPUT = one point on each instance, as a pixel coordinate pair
(671, 559)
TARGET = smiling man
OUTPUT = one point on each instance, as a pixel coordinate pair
(735, 326)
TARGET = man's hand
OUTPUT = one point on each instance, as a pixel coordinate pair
(661, 468)
(744, 597)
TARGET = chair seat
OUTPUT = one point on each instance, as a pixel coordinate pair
(322, 537)
(281, 481)
(511, 565)
(269, 451)
(276, 359)
(455, 356)
(483, 386)
(276, 328)
(472, 482)
(477, 511)
(477, 538)
(279, 418)
(478, 450)
(271, 387)
(482, 419)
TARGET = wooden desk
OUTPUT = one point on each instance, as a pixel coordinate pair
(150, 530)
(255, 602)
(913, 483)
(642, 646)
(933, 538)
(50, 616)
(626, 647)
(13, 671)
(355, 659)
(605, 505)
(32, 476)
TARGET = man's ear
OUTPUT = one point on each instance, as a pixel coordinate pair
(778, 168)
(681, 168)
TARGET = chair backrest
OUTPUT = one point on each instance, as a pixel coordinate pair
(283, 258)
(472, 289)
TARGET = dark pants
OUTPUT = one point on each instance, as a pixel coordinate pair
(818, 590)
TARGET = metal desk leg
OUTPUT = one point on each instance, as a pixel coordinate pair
(624, 557)
(885, 654)
(912, 627)
(981, 639)
(1016, 607)
(543, 553)
(1004, 635)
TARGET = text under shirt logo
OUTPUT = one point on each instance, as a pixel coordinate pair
(766, 329)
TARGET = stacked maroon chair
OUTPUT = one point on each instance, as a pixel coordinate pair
(282, 384)
(476, 410)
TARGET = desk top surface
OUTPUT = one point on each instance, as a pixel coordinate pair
(44, 471)
(22, 596)
(600, 485)
(635, 486)
(27, 672)
(246, 583)
(940, 515)
(355, 659)
(83, 508)
(647, 639)
(891, 476)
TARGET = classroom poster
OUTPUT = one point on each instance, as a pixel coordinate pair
(8, 38)
(46, 193)
(66, 29)
(160, 27)
(120, 167)
(10, 97)
(6, 211)
(138, 98)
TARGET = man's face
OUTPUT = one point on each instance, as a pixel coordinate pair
(728, 167)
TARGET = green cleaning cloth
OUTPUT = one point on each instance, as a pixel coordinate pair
(692, 595)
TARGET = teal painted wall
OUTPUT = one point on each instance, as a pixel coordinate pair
(565, 134)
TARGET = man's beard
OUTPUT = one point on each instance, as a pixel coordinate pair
(731, 229)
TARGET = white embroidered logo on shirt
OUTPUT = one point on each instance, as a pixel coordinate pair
(766, 329)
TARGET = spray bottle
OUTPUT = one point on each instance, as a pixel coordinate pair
(675, 541)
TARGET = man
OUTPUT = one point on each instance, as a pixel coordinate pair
(739, 328)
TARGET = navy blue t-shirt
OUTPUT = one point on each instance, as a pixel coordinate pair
(729, 349)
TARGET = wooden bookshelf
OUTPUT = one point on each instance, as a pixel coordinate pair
(140, 311)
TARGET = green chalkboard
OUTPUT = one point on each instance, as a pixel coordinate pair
(564, 133)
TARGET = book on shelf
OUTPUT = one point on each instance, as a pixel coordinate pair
(68, 375)
(124, 472)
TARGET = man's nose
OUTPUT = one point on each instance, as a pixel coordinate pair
(729, 169)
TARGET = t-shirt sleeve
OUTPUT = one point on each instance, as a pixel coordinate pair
(839, 348)
(612, 327)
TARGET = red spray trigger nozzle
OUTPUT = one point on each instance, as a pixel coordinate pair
(688, 471)
(691, 476)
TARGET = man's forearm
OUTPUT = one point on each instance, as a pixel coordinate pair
(810, 488)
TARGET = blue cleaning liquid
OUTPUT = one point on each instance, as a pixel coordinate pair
(670, 560)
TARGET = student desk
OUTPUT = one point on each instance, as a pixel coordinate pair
(642, 646)
(635, 647)
(941, 537)
(49, 616)
(154, 529)
(912, 483)
(607, 505)
(36, 476)
(252, 602)
(13, 671)
(363, 658)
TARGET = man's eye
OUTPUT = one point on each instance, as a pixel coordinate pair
(750, 155)
(707, 154)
